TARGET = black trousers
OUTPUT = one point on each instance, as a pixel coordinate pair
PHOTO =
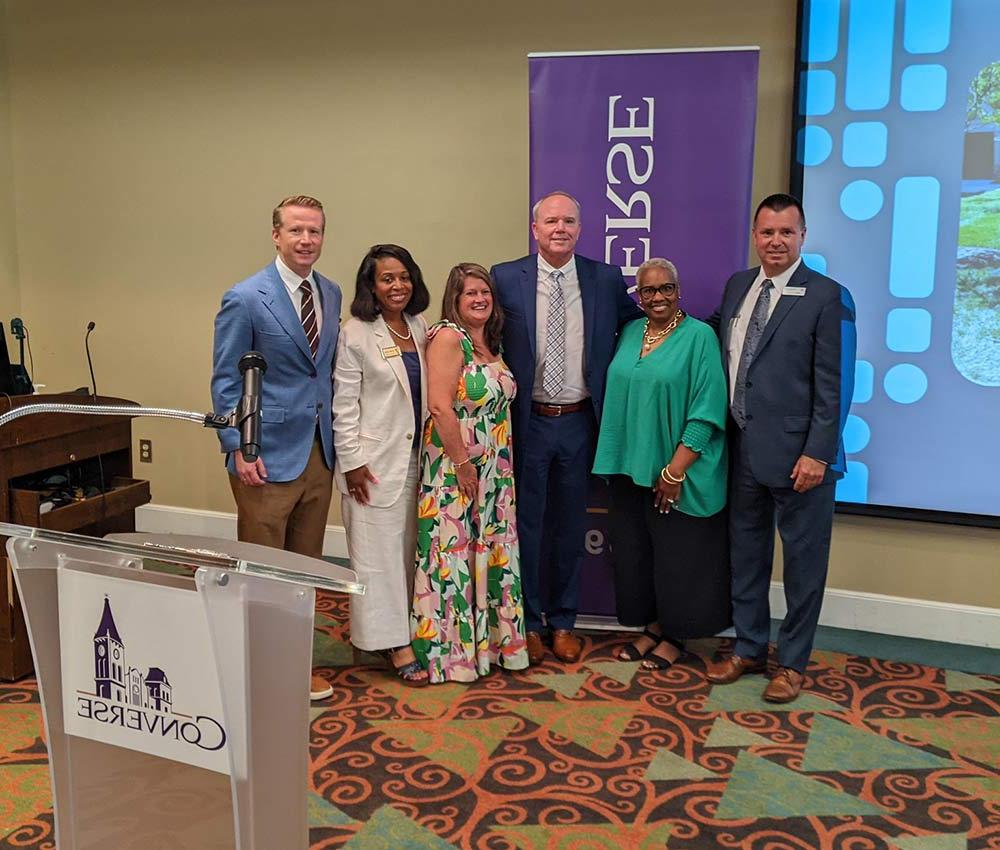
(670, 568)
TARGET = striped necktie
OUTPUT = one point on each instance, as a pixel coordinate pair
(309, 317)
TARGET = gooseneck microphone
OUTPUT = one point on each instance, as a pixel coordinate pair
(90, 363)
(252, 367)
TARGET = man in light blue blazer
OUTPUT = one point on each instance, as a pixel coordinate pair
(562, 313)
(789, 342)
(291, 315)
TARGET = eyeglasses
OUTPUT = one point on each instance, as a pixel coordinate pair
(666, 289)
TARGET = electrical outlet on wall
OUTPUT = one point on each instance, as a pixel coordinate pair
(145, 451)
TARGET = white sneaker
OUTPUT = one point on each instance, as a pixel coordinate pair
(319, 688)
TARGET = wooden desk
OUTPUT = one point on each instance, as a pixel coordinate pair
(58, 442)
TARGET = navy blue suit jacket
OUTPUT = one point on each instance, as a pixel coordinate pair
(606, 307)
(297, 390)
(801, 379)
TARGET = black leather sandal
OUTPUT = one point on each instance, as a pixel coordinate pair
(658, 662)
(631, 652)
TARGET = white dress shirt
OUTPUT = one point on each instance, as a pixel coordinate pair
(741, 321)
(574, 387)
(292, 283)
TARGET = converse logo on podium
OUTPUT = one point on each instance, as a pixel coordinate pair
(137, 669)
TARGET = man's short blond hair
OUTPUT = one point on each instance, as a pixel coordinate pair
(296, 201)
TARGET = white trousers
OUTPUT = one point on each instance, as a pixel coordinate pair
(382, 545)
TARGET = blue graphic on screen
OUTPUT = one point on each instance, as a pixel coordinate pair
(900, 158)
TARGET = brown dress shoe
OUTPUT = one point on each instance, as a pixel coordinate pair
(566, 646)
(785, 685)
(536, 649)
(731, 668)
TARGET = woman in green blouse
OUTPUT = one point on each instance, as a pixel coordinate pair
(662, 447)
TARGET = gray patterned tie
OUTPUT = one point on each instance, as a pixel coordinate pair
(554, 370)
(755, 330)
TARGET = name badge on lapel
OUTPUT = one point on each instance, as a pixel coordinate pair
(794, 290)
(390, 351)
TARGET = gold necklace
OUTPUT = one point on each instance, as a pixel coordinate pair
(649, 340)
(409, 333)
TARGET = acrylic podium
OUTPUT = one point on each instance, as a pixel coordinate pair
(175, 696)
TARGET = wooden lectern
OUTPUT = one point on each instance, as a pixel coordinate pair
(56, 443)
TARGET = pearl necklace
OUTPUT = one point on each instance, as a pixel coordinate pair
(649, 340)
(409, 333)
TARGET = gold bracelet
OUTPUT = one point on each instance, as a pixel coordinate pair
(668, 476)
(463, 462)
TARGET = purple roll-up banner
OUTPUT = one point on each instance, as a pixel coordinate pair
(657, 145)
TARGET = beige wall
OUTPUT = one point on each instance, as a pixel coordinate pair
(10, 292)
(149, 142)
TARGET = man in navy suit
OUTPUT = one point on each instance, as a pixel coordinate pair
(562, 315)
(788, 340)
(291, 315)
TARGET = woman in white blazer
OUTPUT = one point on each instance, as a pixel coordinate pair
(379, 407)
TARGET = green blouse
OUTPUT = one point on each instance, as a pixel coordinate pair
(677, 393)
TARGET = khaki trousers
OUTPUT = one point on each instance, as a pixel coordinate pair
(290, 515)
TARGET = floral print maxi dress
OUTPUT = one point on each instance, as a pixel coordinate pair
(467, 604)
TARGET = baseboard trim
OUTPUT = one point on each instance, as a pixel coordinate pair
(947, 622)
(844, 609)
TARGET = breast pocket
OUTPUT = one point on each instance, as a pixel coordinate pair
(274, 336)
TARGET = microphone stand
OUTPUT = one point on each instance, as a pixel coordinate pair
(233, 419)
(209, 420)
(242, 559)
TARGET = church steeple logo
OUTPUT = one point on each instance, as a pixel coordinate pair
(145, 678)
(115, 680)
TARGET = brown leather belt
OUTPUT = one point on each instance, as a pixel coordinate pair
(558, 409)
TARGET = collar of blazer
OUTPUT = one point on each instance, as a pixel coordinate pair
(785, 305)
(275, 298)
(585, 276)
(385, 339)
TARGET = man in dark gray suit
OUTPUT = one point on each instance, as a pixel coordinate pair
(789, 342)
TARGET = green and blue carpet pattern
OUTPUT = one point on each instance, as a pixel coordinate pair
(875, 755)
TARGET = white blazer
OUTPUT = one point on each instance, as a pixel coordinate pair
(372, 407)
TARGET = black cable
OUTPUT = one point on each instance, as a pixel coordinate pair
(90, 363)
(104, 504)
(31, 360)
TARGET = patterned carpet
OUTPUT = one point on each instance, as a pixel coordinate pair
(876, 754)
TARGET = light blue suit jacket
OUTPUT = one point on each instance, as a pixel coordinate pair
(258, 315)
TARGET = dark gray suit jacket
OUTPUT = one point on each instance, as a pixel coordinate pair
(801, 380)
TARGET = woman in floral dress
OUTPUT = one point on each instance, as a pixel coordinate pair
(467, 603)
